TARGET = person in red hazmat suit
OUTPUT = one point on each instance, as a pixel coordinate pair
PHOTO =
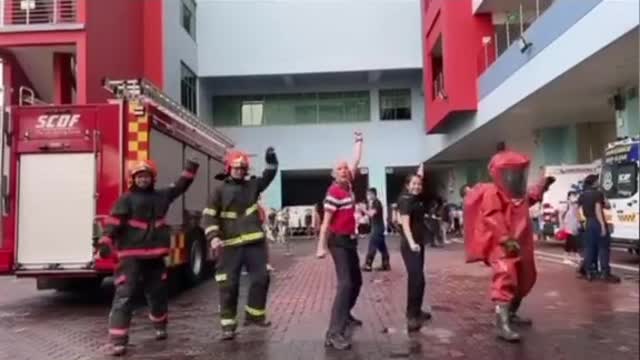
(499, 233)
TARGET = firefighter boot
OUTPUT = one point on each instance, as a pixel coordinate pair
(513, 314)
(118, 350)
(503, 325)
(228, 333)
(259, 321)
(161, 334)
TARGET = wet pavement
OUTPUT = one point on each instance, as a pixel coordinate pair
(574, 319)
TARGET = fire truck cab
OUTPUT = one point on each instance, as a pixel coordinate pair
(64, 166)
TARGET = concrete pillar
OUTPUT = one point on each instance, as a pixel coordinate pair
(628, 120)
(557, 145)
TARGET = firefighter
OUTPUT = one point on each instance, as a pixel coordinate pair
(499, 233)
(233, 227)
(137, 233)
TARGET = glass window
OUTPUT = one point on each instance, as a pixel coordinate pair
(395, 104)
(226, 110)
(188, 88)
(188, 8)
(252, 112)
(291, 109)
(620, 180)
(344, 107)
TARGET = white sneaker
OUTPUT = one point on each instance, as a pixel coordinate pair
(269, 267)
(566, 261)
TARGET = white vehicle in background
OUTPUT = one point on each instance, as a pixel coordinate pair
(298, 216)
(554, 201)
(620, 182)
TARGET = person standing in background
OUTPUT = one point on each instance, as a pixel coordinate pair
(597, 237)
(376, 240)
(570, 225)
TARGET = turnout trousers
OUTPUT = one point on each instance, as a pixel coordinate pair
(253, 257)
(131, 274)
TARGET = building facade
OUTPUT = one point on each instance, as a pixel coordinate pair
(303, 75)
(557, 80)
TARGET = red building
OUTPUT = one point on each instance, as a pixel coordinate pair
(453, 59)
(59, 50)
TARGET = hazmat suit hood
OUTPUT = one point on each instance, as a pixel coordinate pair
(509, 171)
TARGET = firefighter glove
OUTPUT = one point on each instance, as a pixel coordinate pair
(512, 247)
(548, 181)
(270, 156)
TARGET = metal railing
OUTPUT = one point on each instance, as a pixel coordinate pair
(38, 12)
(140, 88)
(510, 31)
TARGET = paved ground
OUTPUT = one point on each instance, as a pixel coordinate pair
(574, 319)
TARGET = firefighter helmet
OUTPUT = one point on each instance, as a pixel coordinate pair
(139, 166)
(236, 159)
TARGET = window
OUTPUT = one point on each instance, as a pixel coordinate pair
(187, 12)
(291, 109)
(437, 69)
(395, 104)
(252, 113)
(188, 88)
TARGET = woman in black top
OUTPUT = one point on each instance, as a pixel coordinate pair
(412, 213)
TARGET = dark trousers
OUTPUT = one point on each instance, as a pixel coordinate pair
(347, 263)
(377, 243)
(129, 276)
(596, 247)
(254, 258)
(414, 262)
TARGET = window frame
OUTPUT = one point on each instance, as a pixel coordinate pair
(184, 83)
(395, 109)
(190, 6)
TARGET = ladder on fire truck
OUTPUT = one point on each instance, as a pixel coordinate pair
(143, 90)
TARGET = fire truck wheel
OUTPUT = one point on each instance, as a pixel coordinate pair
(196, 268)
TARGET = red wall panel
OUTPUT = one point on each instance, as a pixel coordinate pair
(461, 34)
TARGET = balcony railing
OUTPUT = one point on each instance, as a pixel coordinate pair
(509, 31)
(38, 12)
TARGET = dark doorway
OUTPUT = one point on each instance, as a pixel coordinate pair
(396, 177)
(308, 187)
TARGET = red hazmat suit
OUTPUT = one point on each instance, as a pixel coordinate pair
(499, 212)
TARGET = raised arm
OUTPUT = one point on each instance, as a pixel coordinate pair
(535, 193)
(357, 156)
(184, 181)
(270, 170)
(420, 171)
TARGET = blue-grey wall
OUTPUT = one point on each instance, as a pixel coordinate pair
(387, 143)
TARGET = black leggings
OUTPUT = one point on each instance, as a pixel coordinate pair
(414, 262)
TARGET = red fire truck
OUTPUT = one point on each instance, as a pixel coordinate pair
(64, 166)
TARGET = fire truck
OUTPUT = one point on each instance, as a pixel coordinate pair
(64, 166)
